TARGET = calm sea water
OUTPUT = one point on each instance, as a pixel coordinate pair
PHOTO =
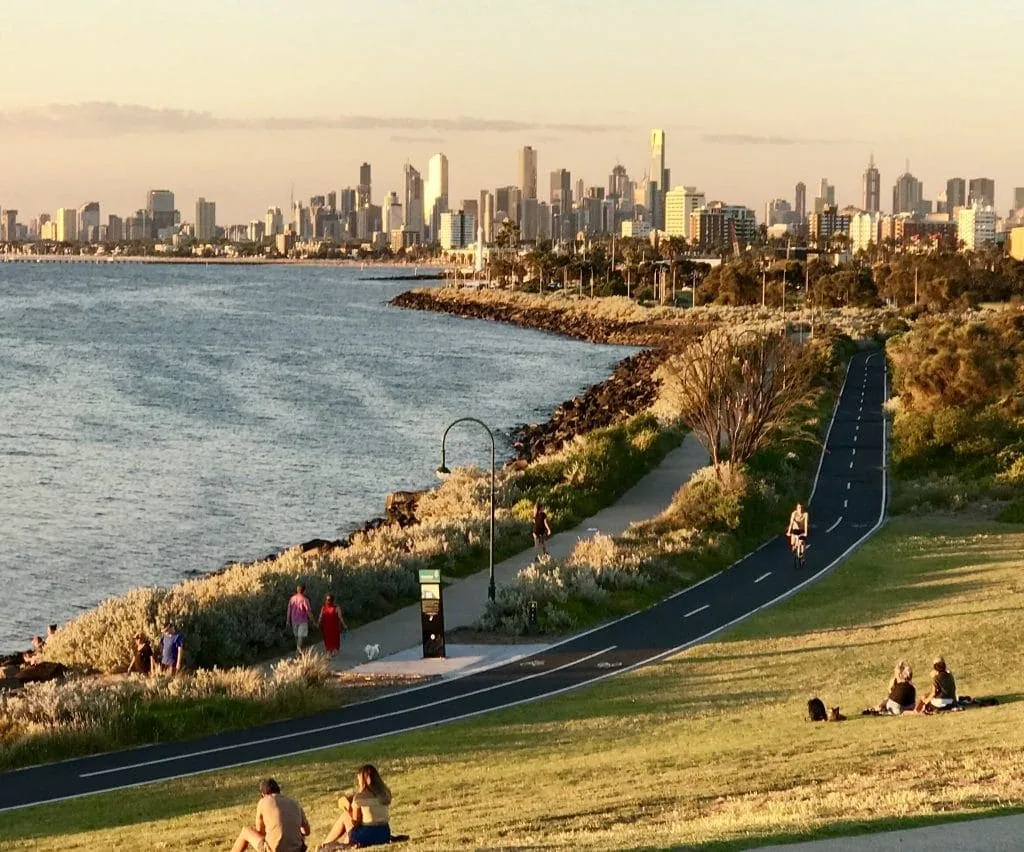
(157, 421)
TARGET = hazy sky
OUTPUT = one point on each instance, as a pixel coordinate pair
(237, 100)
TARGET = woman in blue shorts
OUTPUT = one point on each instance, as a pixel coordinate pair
(365, 815)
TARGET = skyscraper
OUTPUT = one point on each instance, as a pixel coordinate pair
(412, 200)
(872, 188)
(826, 196)
(66, 221)
(561, 191)
(983, 191)
(528, 172)
(487, 214)
(907, 194)
(658, 179)
(956, 194)
(1018, 198)
(364, 197)
(801, 203)
(273, 223)
(9, 225)
(160, 209)
(89, 221)
(392, 218)
(435, 196)
(206, 219)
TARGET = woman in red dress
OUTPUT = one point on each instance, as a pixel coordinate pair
(331, 623)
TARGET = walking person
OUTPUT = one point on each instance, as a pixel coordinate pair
(541, 530)
(172, 650)
(281, 824)
(299, 614)
(331, 623)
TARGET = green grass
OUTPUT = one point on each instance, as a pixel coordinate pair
(709, 749)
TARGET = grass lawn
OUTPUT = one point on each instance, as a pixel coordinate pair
(707, 750)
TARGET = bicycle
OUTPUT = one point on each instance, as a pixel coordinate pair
(798, 547)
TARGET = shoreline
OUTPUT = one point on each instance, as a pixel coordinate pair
(630, 389)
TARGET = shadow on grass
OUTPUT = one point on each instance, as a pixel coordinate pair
(857, 828)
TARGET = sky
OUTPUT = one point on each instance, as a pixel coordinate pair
(241, 100)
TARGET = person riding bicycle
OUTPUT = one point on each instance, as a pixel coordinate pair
(799, 525)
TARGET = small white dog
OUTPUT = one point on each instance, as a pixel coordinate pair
(372, 651)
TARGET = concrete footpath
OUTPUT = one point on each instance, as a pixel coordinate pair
(993, 835)
(465, 599)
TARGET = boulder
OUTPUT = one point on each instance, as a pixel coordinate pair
(40, 672)
(400, 507)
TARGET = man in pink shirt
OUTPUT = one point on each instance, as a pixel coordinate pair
(299, 614)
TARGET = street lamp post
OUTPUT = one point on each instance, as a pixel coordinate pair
(443, 470)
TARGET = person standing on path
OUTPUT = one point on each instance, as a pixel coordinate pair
(331, 622)
(299, 613)
(541, 529)
(172, 650)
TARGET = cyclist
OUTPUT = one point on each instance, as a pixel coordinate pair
(799, 525)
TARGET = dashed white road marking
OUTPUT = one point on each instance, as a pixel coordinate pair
(848, 484)
(851, 465)
(839, 520)
(854, 451)
(759, 579)
(846, 504)
(698, 609)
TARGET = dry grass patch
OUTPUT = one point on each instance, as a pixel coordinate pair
(707, 750)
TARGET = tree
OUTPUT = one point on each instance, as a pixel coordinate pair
(738, 391)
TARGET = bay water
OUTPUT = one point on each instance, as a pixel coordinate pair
(158, 421)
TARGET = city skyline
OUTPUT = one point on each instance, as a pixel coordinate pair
(220, 126)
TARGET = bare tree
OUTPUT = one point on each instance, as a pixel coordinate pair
(738, 391)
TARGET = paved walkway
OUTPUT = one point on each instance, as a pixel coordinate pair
(993, 835)
(464, 599)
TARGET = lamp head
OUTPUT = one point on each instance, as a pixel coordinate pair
(443, 470)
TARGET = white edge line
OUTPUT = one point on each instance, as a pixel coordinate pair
(828, 432)
(698, 609)
(759, 579)
(324, 728)
(660, 656)
(839, 520)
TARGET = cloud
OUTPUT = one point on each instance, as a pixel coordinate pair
(104, 118)
(418, 140)
(751, 139)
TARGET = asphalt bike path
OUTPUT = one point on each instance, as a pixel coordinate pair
(847, 505)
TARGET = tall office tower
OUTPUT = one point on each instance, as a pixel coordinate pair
(976, 225)
(529, 220)
(778, 212)
(907, 194)
(346, 201)
(391, 214)
(456, 230)
(580, 192)
(89, 222)
(115, 229)
(618, 183)
(871, 199)
(66, 220)
(487, 214)
(982, 190)
(528, 172)
(9, 226)
(826, 196)
(412, 200)
(658, 188)
(273, 222)
(364, 196)
(1018, 198)
(800, 207)
(332, 201)
(956, 193)
(302, 222)
(472, 207)
(435, 196)
(680, 204)
(160, 209)
(206, 219)
(561, 192)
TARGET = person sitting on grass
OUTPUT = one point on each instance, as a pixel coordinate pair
(281, 824)
(902, 694)
(365, 816)
(142, 656)
(943, 692)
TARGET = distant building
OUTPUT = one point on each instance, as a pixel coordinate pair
(160, 210)
(457, 230)
(9, 226)
(636, 228)
(871, 188)
(89, 222)
(115, 229)
(907, 195)
(529, 226)
(1016, 243)
(391, 214)
(66, 225)
(826, 224)
(402, 240)
(956, 194)
(1018, 198)
(561, 192)
(412, 201)
(435, 198)
(938, 233)
(680, 204)
(528, 172)
(273, 222)
(982, 191)
(826, 196)
(658, 179)
(206, 219)
(364, 192)
(256, 231)
(976, 226)
(486, 212)
(800, 207)
(713, 226)
(863, 231)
